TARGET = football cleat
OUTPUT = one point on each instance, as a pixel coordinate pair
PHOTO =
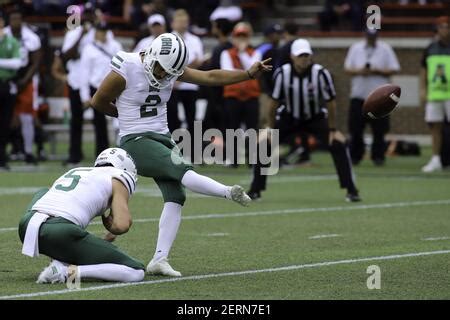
(54, 273)
(238, 195)
(254, 195)
(434, 165)
(162, 267)
(353, 197)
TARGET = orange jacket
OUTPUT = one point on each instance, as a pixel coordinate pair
(243, 90)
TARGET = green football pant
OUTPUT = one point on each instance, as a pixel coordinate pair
(67, 242)
(158, 157)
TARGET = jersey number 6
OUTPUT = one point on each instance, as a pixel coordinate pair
(147, 110)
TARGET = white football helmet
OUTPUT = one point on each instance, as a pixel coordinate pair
(170, 51)
(118, 158)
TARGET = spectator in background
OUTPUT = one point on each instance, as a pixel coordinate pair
(241, 99)
(27, 79)
(110, 7)
(268, 49)
(337, 10)
(94, 66)
(214, 117)
(221, 29)
(370, 63)
(183, 92)
(139, 12)
(162, 7)
(156, 25)
(127, 10)
(9, 64)
(199, 13)
(74, 42)
(58, 71)
(227, 10)
(143, 9)
(435, 85)
(51, 7)
(291, 30)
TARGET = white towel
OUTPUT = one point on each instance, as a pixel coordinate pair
(31, 241)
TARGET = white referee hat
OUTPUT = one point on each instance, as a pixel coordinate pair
(156, 18)
(301, 46)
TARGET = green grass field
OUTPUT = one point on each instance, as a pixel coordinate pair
(302, 241)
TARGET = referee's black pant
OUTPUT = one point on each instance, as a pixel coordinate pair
(319, 127)
(76, 127)
(6, 113)
(238, 112)
(356, 125)
(188, 98)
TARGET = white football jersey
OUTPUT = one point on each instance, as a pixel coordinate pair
(75, 77)
(29, 42)
(81, 194)
(141, 107)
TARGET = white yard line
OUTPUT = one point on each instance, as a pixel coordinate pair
(153, 192)
(226, 274)
(330, 177)
(290, 211)
(435, 238)
(284, 179)
(8, 229)
(321, 236)
(5, 191)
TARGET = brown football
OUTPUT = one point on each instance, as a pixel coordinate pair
(382, 101)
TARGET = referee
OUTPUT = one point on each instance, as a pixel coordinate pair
(305, 93)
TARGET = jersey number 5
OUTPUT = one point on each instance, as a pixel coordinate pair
(147, 109)
(75, 179)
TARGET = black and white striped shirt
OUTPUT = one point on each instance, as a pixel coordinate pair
(303, 95)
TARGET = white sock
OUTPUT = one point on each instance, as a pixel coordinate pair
(436, 157)
(111, 272)
(204, 185)
(168, 228)
(27, 126)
